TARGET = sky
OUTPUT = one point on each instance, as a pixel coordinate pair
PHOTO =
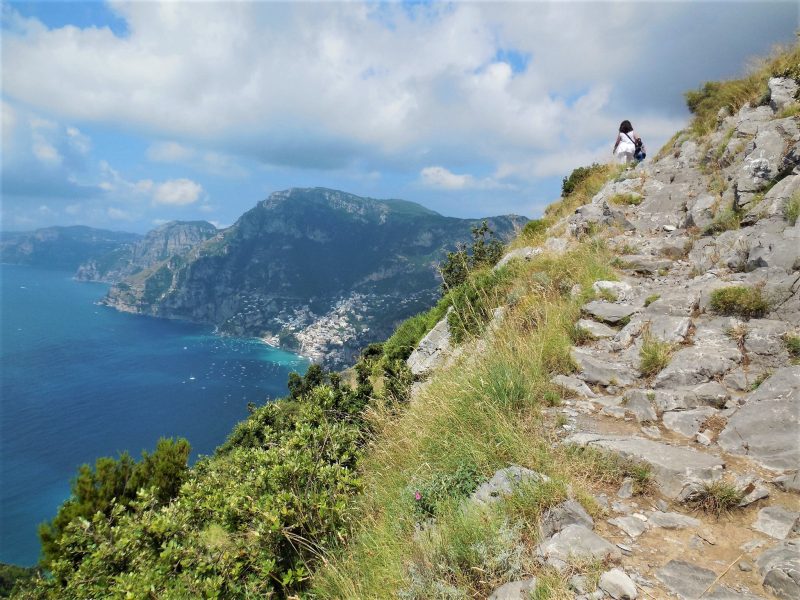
(125, 115)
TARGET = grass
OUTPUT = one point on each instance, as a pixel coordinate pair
(650, 299)
(792, 209)
(706, 102)
(480, 414)
(793, 347)
(725, 220)
(654, 354)
(716, 498)
(720, 149)
(740, 301)
(626, 199)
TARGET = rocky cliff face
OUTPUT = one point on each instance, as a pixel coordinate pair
(689, 363)
(171, 239)
(60, 247)
(315, 269)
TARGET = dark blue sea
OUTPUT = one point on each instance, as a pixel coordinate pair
(79, 381)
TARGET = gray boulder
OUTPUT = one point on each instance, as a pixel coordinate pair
(567, 513)
(526, 253)
(596, 330)
(780, 567)
(608, 312)
(602, 372)
(674, 467)
(687, 422)
(574, 385)
(694, 365)
(504, 482)
(782, 92)
(684, 579)
(432, 350)
(767, 427)
(776, 521)
(618, 585)
(578, 543)
(515, 590)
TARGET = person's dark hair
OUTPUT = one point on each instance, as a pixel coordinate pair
(625, 127)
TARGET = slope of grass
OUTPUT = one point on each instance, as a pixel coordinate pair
(706, 102)
(480, 414)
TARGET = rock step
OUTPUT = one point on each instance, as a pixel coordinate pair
(674, 467)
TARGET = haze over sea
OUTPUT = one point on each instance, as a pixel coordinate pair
(80, 381)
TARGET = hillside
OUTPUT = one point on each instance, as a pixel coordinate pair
(315, 270)
(170, 239)
(60, 247)
(610, 411)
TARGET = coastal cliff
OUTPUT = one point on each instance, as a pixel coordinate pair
(315, 270)
(166, 241)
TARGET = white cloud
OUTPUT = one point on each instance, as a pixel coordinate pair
(117, 214)
(441, 178)
(169, 152)
(78, 140)
(177, 192)
(368, 82)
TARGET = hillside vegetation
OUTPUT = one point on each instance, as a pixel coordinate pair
(622, 384)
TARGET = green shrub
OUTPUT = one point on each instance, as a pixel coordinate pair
(486, 251)
(651, 298)
(725, 220)
(474, 301)
(793, 346)
(427, 494)
(535, 227)
(717, 497)
(578, 176)
(740, 300)
(654, 355)
(792, 209)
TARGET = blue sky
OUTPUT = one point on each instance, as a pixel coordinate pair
(125, 115)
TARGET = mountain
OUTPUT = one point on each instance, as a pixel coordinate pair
(168, 240)
(60, 247)
(317, 270)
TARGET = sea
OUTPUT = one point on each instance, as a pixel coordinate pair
(79, 381)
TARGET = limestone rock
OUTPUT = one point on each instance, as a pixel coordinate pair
(780, 566)
(618, 585)
(693, 365)
(515, 590)
(782, 92)
(567, 513)
(503, 483)
(632, 526)
(789, 482)
(526, 253)
(687, 422)
(602, 372)
(684, 579)
(574, 385)
(620, 289)
(432, 350)
(596, 330)
(638, 402)
(669, 329)
(673, 467)
(776, 521)
(767, 427)
(672, 520)
(608, 312)
(646, 265)
(575, 542)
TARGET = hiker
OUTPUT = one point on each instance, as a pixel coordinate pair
(629, 146)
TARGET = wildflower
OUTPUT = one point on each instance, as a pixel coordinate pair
(417, 496)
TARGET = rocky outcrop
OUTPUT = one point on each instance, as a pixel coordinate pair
(315, 270)
(167, 241)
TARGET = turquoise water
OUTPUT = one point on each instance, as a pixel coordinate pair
(79, 381)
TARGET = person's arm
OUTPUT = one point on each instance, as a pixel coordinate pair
(619, 136)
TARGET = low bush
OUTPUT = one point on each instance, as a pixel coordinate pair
(579, 176)
(740, 300)
(409, 333)
(793, 346)
(725, 220)
(717, 498)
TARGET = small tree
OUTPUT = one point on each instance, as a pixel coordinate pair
(485, 251)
